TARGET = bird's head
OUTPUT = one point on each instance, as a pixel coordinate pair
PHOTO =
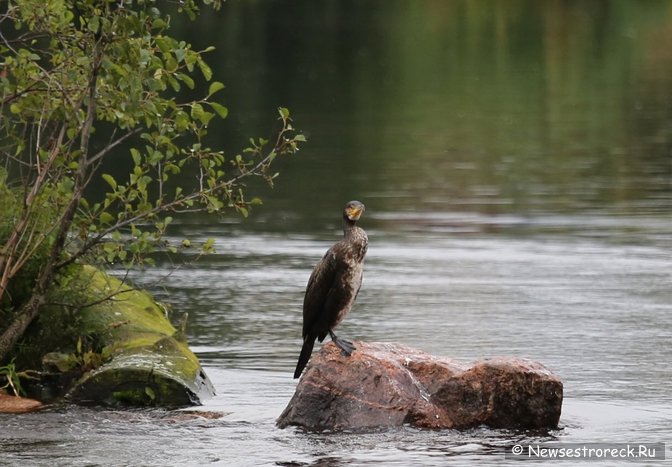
(353, 210)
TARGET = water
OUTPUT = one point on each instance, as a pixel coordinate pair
(515, 160)
(596, 313)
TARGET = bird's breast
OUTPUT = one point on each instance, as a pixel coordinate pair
(351, 281)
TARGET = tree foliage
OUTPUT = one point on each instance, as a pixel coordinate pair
(81, 82)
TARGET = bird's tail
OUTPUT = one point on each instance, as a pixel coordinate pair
(306, 350)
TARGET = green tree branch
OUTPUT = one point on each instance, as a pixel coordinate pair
(75, 67)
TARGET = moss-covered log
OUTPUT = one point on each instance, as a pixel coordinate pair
(117, 347)
(147, 362)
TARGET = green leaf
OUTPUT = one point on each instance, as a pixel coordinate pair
(284, 112)
(170, 63)
(220, 109)
(159, 24)
(197, 111)
(186, 79)
(94, 24)
(214, 87)
(206, 117)
(135, 154)
(155, 158)
(300, 138)
(182, 121)
(173, 83)
(205, 70)
(110, 180)
(106, 217)
(163, 43)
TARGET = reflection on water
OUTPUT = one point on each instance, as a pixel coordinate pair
(515, 163)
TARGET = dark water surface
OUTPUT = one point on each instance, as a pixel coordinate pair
(516, 163)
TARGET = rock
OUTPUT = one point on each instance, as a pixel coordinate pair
(388, 384)
(12, 404)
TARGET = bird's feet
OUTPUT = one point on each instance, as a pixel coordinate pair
(346, 346)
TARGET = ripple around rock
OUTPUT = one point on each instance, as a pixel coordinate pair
(388, 384)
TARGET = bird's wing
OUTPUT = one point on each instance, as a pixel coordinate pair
(320, 283)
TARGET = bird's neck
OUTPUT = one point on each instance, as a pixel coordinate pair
(352, 233)
(355, 240)
(348, 226)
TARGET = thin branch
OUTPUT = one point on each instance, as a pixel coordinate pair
(103, 152)
(171, 206)
(12, 243)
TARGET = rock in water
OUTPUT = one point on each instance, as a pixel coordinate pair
(388, 384)
(12, 404)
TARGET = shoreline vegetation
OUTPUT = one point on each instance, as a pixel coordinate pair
(119, 349)
(105, 119)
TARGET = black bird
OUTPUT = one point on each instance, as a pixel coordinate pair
(333, 287)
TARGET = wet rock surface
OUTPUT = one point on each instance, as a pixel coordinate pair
(388, 384)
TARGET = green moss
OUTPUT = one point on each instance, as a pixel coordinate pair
(60, 362)
(143, 378)
(131, 397)
(127, 312)
(115, 345)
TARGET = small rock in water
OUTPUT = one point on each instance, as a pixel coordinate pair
(388, 384)
(13, 404)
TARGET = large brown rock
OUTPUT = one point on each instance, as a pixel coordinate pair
(388, 384)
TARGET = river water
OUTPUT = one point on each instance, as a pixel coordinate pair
(515, 161)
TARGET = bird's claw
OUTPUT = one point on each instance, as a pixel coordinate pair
(346, 347)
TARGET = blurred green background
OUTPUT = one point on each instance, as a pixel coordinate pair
(492, 109)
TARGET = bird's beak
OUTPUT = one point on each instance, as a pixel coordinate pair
(355, 213)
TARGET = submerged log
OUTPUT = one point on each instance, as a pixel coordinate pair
(144, 358)
(387, 384)
(112, 345)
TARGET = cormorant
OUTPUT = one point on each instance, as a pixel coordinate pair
(333, 287)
